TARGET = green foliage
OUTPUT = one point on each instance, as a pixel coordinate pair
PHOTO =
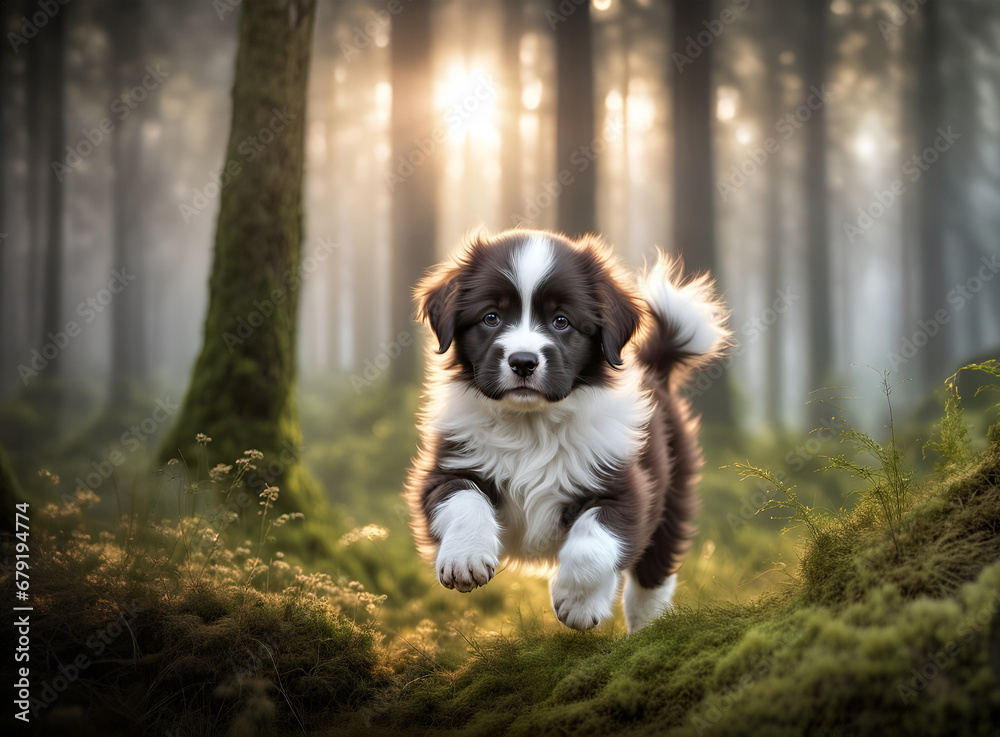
(889, 623)
(953, 443)
(789, 500)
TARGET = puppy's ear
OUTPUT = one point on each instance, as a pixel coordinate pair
(436, 296)
(620, 317)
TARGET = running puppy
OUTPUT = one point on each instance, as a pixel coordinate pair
(553, 428)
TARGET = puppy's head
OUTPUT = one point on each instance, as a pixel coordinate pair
(529, 316)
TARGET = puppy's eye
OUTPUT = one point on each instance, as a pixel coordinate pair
(560, 323)
(492, 319)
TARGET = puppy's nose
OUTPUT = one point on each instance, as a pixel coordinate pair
(523, 363)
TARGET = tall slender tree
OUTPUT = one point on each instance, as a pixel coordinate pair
(575, 117)
(821, 332)
(128, 336)
(242, 391)
(52, 317)
(930, 99)
(694, 210)
(511, 170)
(413, 201)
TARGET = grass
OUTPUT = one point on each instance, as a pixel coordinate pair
(197, 623)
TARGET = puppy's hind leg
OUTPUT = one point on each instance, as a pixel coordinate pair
(643, 605)
(467, 527)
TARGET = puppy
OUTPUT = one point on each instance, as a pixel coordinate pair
(553, 429)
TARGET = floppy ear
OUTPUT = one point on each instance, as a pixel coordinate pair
(436, 296)
(619, 317)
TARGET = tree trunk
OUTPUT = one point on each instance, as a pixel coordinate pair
(128, 336)
(694, 216)
(35, 179)
(575, 120)
(10, 492)
(413, 198)
(242, 390)
(774, 384)
(821, 332)
(52, 317)
(510, 167)
(937, 359)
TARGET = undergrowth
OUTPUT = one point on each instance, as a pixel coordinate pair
(205, 622)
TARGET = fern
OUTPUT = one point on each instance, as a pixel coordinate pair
(888, 481)
(800, 511)
(953, 442)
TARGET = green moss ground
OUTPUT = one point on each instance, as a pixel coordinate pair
(880, 625)
(876, 637)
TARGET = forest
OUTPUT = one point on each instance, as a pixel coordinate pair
(213, 217)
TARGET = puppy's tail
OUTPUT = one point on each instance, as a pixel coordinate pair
(688, 328)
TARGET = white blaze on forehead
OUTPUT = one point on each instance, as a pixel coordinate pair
(532, 263)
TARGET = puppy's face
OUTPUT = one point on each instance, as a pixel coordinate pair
(531, 315)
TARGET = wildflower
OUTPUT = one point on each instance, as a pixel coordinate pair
(85, 498)
(368, 532)
(269, 495)
(220, 472)
(49, 476)
(202, 439)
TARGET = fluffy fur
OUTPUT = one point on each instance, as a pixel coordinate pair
(554, 433)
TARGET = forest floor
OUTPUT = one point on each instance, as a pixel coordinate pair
(888, 625)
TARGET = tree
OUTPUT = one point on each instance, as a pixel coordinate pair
(242, 391)
(52, 316)
(128, 336)
(694, 216)
(413, 209)
(510, 141)
(575, 118)
(10, 491)
(821, 332)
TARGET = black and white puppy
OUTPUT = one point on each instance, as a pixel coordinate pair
(553, 429)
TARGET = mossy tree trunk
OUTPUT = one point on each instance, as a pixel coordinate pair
(10, 492)
(242, 391)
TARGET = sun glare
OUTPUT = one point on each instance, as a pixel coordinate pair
(466, 98)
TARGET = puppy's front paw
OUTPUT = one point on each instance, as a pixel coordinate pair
(583, 607)
(465, 570)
